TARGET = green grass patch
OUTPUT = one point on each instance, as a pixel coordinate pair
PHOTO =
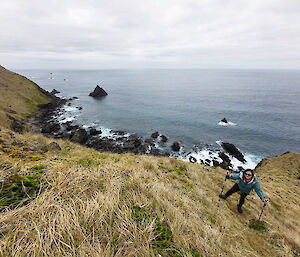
(115, 159)
(36, 98)
(258, 225)
(212, 219)
(17, 190)
(163, 241)
(102, 156)
(195, 253)
(180, 170)
(39, 167)
(85, 162)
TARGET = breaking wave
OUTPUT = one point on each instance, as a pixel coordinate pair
(224, 124)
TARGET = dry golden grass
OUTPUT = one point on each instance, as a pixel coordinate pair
(92, 201)
(19, 97)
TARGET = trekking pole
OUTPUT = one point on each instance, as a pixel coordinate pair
(222, 189)
(262, 210)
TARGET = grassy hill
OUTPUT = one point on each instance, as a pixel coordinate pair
(80, 202)
(63, 199)
(19, 97)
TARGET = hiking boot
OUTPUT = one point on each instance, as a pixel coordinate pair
(222, 196)
(239, 208)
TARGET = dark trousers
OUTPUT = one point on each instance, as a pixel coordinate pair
(234, 189)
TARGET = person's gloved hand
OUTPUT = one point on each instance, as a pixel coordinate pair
(266, 201)
(227, 174)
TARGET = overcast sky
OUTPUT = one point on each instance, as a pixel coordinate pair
(101, 34)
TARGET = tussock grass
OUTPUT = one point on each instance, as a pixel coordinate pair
(100, 204)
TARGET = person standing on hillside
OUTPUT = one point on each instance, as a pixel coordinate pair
(246, 182)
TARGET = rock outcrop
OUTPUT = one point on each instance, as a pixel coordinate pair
(224, 120)
(54, 91)
(175, 146)
(94, 132)
(79, 136)
(163, 138)
(155, 134)
(98, 92)
(233, 151)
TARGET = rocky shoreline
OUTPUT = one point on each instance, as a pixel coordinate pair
(47, 122)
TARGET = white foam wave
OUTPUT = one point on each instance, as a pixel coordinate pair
(66, 119)
(71, 108)
(85, 126)
(207, 157)
(226, 124)
(251, 162)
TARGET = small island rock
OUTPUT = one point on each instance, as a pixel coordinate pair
(98, 92)
(224, 120)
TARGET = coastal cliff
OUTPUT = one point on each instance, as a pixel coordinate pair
(59, 198)
(20, 98)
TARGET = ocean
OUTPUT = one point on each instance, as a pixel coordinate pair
(187, 105)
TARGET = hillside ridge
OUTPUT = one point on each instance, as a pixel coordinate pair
(60, 198)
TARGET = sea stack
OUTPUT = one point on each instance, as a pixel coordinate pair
(224, 120)
(98, 92)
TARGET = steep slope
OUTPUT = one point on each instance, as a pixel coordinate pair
(19, 97)
(80, 202)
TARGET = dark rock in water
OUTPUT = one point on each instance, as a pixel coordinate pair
(232, 150)
(224, 120)
(224, 157)
(137, 142)
(79, 136)
(206, 162)
(131, 144)
(216, 163)
(73, 98)
(155, 151)
(164, 138)
(70, 127)
(79, 108)
(149, 141)
(225, 165)
(192, 159)
(118, 132)
(175, 146)
(94, 132)
(155, 134)
(98, 92)
(50, 127)
(54, 91)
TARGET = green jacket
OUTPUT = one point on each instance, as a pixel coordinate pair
(247, 187)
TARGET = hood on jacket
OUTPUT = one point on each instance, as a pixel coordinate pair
(253, 179)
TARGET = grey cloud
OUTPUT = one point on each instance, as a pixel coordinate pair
(166, 33)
